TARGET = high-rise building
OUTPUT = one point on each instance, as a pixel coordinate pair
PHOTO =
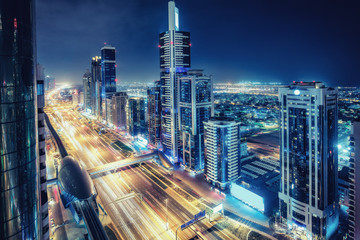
(174, 48)
(108, 78)
(49, 83)
(354, 189)
(222, 152)
(136, 116)
(19, 184)
(154, 114)
(196, 106)
(87, 90)
(95, 86)
(308, 159)
(119, 103)
(44, 223)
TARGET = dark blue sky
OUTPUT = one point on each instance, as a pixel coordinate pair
(252, 40)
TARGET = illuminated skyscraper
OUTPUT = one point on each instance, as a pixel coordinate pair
(44, 223)
(87, 90)
(19, 168)
(174, 48)
(136, 116)
(354, 189)
(108, 78)
(119, 103)
(49, 83)
(196, 106)
(154, 114)
(308, 158)
(95, 86)
(222, 152)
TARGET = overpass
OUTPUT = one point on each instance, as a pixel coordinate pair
(156, 155)
(123, 163)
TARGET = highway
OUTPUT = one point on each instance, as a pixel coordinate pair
(157, 199)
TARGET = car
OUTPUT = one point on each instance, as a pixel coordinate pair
(52, 222)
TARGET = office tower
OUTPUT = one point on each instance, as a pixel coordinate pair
(222, 152)
(19, 185)
(76, 98)
(95, 86)
(174, 48)
(44, 223)
(87, 90)
(81, 98)
(136, 116)
(108, 77)
(49, 83)
(154, 114)
(119, 102)
(196, 106)
(354, 189)
(308, 159)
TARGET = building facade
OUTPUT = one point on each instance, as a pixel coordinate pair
(19, 201)
(108, 78)
(222, 152)
(95, 87)
(174, 46)
(119, 103)
(49, 83)
(308, 159)
(154, 114)
(196, 106)
(87, 91)
(40, 90)
(136, 116)
(354, 189)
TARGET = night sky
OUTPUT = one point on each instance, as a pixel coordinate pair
(252, 40)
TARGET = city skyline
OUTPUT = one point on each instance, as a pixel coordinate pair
(266, 42)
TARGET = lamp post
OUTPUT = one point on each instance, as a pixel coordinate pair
(167, 215)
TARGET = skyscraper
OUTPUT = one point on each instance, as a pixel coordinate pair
(354, 189)
(44, 223)
(196, 106)
(119, 103)
(19, 184)
(136, 116)
(87, 90)
(49, 83)
(108, 77)
(174, 48)
(95, 86)
(154, 114)
(222, 152)
(308, 158)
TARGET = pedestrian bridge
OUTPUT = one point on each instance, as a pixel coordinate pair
(156, 156)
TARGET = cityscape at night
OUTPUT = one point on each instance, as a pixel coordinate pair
(179, 120)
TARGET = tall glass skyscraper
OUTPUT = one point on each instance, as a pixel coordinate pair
(95, 86)
(19, 182)
(196, 106)
(87, 90)
(222, 152)
(154, 114)
(174, 48)
(108, 78)
(308, 158)
(136, 116)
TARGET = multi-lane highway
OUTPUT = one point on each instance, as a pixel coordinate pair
(139, 199)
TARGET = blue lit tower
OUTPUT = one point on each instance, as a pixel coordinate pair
(19, 172)
(136, 116)
(308, 159)
(222, 151)
(108, 76)
(196, 106)
(174, 48)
